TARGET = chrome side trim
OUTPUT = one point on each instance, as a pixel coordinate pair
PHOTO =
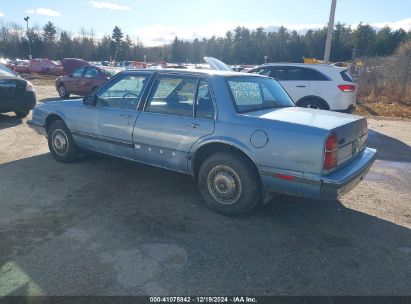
(104, 139)
(300, 179)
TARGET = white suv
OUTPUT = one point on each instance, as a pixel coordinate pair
(319, 86)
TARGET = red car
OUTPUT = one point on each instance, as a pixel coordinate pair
(82, 80)
(40, 66)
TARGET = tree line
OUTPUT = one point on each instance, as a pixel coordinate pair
(240, 46)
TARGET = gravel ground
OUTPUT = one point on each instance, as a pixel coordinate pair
(105, 226)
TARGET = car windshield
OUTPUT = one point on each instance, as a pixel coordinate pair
(257, 93)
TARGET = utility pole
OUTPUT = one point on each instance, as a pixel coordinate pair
(28, 36)
(330, 32)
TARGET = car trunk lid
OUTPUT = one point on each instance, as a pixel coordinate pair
(71, 64)
(351, 130)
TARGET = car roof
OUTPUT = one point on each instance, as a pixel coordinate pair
(193, 71)
(309, 65)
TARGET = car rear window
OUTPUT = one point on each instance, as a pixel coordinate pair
(257, 93)
(346, 76)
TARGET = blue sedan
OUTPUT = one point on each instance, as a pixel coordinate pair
(239, 135)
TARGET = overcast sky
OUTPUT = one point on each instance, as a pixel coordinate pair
(156, 22)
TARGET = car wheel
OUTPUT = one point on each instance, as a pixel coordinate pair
(229, 183)
(63, 92)
(22, 114)
(313, 104)
(61, 143)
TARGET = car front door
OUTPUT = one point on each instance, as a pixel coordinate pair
(72, 81)
(88, 80)
(178, 112)
(107, 125)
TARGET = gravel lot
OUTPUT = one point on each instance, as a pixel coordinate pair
(105, 226)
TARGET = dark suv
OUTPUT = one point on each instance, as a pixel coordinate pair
(16, 94)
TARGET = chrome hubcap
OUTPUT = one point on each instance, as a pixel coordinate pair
(62, 91)
(60, 142)
(224, 185)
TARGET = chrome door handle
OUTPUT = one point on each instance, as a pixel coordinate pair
(193, 125)
(125, 115)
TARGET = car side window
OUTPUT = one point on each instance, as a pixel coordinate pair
(313, 75)
(124, 93)
(90, 73)
(78, 73)
(278, 73)
(204, 104)
(294, 73)
(173, 95)
(263, 71)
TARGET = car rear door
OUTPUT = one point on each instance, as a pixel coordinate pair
(319, 84)
(107, 125)
(292, 80)
(178, 112)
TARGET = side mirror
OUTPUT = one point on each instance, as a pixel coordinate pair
(90, 100)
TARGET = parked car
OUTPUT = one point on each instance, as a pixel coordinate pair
(318, 86)
(239, 135)
(40, 66)
(23, 67)
(132, 65)
(83, 80)
(16, 94)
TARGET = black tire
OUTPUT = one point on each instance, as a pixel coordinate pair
(61, 143)
(63, 91)
(313, 104)
(229, 183)
(22, 114)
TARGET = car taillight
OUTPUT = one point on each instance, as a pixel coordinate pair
(331, 152)
(347, 87)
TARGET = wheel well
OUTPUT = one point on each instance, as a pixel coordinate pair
(313, 98)
(203, 152)
(50, 119)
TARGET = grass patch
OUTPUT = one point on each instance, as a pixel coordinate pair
(383, 109)
(40, 80)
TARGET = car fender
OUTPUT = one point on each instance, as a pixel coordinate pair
(219, 140)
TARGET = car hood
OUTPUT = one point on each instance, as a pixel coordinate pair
(61, 103)
(71, 64)
(10, 78)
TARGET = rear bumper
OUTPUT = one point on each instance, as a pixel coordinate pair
(25, 103)
(346, 178)
(317, 186)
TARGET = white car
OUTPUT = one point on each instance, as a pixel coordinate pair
(319, 86)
